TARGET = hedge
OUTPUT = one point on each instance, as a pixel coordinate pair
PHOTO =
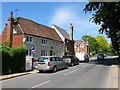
(18, 59)
(5, 59)
(13, 59)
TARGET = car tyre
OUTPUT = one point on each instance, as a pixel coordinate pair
(66, 66)
(72, 64)
(55, 69)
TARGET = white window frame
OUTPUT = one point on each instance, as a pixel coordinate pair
(44, 52)
(30, 39)
(14, 31)
(44, 42)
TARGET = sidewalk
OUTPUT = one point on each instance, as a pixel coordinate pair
(3, 77)
(114, 77)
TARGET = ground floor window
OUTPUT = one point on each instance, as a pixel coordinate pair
(44, 52)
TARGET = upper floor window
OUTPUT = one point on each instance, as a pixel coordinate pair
(82, 45)
(29, 39)
(14, 31)
(44, 42)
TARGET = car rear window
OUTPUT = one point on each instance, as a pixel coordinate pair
(43, 59)
(100, 55)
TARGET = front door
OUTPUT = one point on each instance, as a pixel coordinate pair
(51, 52)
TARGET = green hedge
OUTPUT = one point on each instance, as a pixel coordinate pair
(13, 59)
(18, 59)
(5, 59)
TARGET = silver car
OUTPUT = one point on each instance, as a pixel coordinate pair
(53, 63)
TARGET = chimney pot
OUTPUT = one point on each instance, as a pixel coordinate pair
(11, 14)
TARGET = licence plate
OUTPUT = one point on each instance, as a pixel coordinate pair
(41, 64)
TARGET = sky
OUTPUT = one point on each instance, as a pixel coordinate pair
(58, 13)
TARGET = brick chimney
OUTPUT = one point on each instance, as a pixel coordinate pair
(10, 28)
(71, 31)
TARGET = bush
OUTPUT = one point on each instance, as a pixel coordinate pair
(18, 59)
(12, 59)
(5, 59)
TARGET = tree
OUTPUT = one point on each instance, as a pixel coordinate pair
(93, 43)
(111, 50)
(106, 14)
(103, 44)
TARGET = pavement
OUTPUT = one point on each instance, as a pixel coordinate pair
(113, 79)
(4, 77)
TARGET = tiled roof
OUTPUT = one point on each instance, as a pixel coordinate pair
(77, 42)
(28, 26)
(62, 31)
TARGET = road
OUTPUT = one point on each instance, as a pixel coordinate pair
(85, 75)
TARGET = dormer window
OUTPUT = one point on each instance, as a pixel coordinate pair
(14, 31)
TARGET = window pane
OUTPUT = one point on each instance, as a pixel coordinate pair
(27, 38)
(42, 41)
(30, 39)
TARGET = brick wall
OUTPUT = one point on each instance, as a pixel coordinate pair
(78, 49)
(17, 40)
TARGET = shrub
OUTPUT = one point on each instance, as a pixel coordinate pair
(5, 59)
(18, 58)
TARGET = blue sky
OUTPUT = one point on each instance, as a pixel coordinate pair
(58, 13)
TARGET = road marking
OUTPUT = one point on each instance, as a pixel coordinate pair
(85, 65)
(109, 77)
(39, 84)
(70, 72)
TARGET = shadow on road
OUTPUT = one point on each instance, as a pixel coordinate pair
(107, 62)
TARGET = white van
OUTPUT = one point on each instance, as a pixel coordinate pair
(82, 57)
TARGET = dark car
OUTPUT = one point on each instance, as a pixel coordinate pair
(71, 60)
(100, 57)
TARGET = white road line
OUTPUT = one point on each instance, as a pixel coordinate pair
(85, 65)
(70, 72)
(109, 77)
(39, 84)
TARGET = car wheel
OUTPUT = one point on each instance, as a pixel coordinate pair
(55, 69)
(66, 66)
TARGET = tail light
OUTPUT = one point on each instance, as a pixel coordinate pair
(49, 63)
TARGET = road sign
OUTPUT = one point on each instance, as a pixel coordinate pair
(33, 49)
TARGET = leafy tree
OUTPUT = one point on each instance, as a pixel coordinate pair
(93, 43)
(106, 14)
(111, 50)
(103, 44)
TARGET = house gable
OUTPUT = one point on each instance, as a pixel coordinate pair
(62, 33)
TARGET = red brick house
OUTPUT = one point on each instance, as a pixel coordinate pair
(25, 32)
(81, 46)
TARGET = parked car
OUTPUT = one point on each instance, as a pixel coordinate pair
(82, 57)
(100, 57)
(108, 56)
(53, 63)
(71, 60)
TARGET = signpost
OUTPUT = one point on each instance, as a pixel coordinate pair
(33, 50)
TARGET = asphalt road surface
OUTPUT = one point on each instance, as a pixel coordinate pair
(93, 74)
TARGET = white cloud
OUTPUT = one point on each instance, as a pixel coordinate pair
(63, 16)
